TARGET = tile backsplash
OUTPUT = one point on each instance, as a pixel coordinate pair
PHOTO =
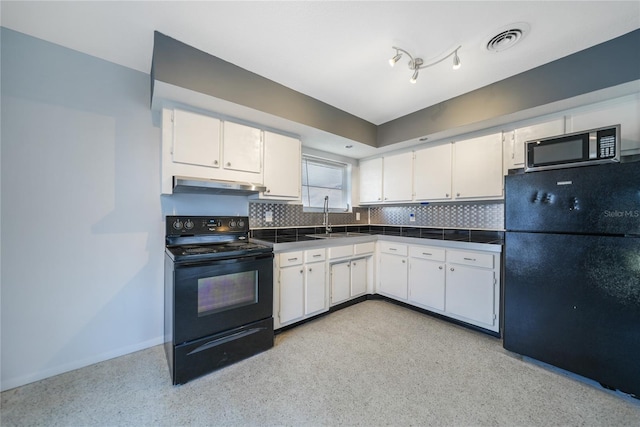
(479, 215)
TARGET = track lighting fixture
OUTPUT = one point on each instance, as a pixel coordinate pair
(416, 64)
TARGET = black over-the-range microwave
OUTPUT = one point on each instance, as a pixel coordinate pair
(600, 145)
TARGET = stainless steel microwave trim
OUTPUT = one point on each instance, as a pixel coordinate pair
(593, 157)
(183, 184)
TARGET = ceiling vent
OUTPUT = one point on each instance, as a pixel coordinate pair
(507, 37)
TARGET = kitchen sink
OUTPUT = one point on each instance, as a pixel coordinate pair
(336, 235)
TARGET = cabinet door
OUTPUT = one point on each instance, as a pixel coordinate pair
(314, 301)
(340, 282)
(371, 180)
(393, 276)
(242, 148)
(432, 173)
(358, 277)
(470, 293)
(291, 293)
(397, 173)
(477, 168)
(196, 139)
(426, 283)
(282, 166)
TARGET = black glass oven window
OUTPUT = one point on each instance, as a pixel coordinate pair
(220, 293)
(553, 153)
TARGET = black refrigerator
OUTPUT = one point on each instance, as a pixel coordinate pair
(572, 271)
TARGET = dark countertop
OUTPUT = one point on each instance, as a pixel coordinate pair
(300, 234)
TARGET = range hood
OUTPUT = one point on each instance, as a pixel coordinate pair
(183, 184)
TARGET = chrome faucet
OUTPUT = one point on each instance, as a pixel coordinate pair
(327, 226)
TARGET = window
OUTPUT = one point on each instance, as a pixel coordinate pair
(320, 178)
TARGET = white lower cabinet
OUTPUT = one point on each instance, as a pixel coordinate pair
(350, 271)
(427, 277)
(392, 268)
(472, 288)
(291, 284)
(315, 288)
(470, 293)
(301, 286)
(348, 280)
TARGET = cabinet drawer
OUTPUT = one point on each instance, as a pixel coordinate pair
(290, 258)
(314, 255)
(340, 251)
(364, 248)
(427, 252)
(393, 248)
(470, 258)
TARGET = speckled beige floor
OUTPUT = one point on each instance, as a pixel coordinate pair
(371, 364)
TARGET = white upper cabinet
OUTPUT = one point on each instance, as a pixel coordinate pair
(242, 148)
(387, 179)
(200, 146)
(397, 178)
(282, 167)
(514, 141)
(371, 181)
(196, 139)
(477, 168)
(432, 172)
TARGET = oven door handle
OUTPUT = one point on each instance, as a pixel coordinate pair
(230, 260)
(226, 339)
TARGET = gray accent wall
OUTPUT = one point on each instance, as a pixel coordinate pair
(182, 65)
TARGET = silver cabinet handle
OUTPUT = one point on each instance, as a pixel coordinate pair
(470, 259)
(440, 268)
(451, 269)
(317, 255)
(292, 259)
(427, 254)
(446, 195)
(310, 269)
(228, 163)
(458, 194)
(215, 162)
(268, 191)
(301, 271)
(403, 261)
(393, 249)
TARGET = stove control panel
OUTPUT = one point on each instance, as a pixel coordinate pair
(198, 225)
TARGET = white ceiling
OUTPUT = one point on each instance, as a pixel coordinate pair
(336, 51)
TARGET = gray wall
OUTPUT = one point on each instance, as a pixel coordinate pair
(82, 231)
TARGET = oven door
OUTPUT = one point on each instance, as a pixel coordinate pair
(220, 295)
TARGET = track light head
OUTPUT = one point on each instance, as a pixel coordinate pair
(456, 60)
(414, 78)
(395, 59)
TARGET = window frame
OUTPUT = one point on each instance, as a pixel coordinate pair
(346, 182)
